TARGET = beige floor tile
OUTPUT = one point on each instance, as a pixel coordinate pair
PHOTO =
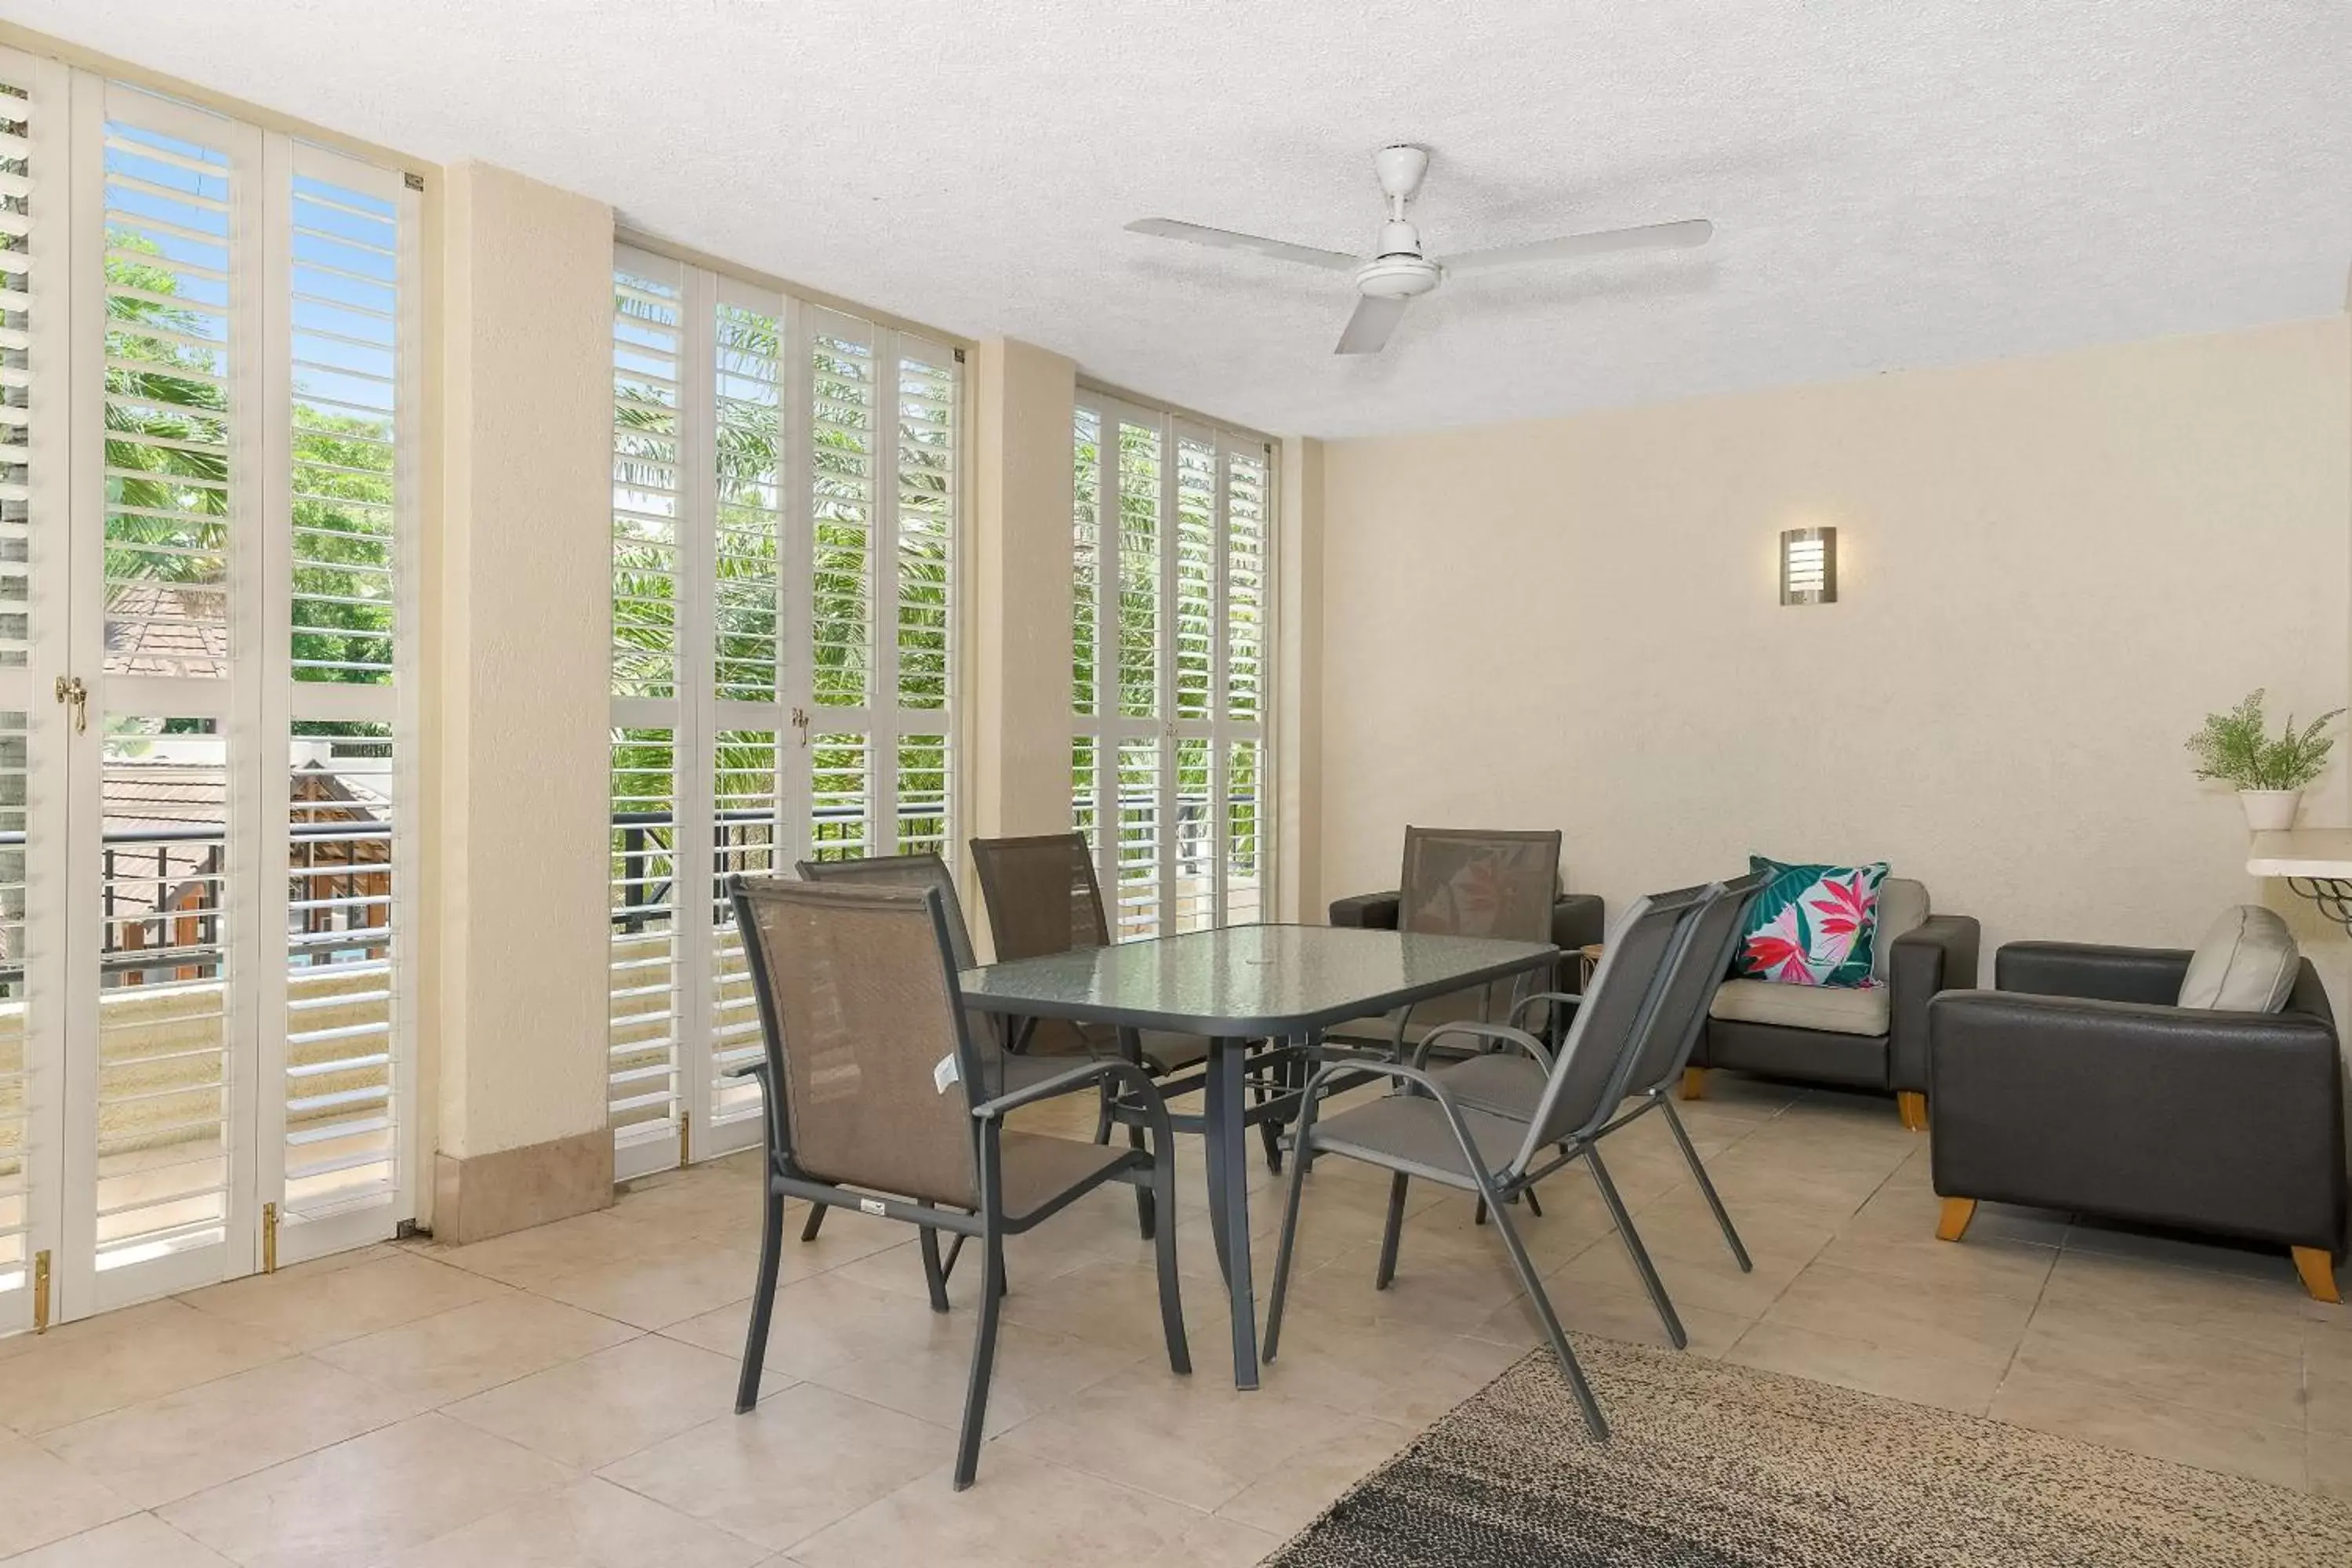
(805, 1458)
(1115, 1303)
(1980, 1265)
(1309, 1481)
(120, 1358)
(163, 1449)
(2328, 1464)
(456, 1354)
(1195, 1440)
(2091, 1233)
(2228, 1377)
(1034, 1372)
(526, 1257)
(605, 1406)
(1695, 1276)
(141, 1540)
(2328, 1387)
(366, 1499)
(593, 1524)
(825, 1320)
(1628, 1314)
(2100, 1412)
(666, 1281)
(1398, 1372)
(1898, 1372)
(1022, 1511)
(2266, 1314)
(42, 1499)
(1212, 1542)
(1982, 1327)
(315, 1305)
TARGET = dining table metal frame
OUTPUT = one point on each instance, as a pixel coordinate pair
(1238, 984)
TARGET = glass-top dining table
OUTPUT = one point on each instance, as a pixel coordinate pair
(1237, 985)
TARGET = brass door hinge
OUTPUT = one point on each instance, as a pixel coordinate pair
(41, 1291)
(685, 1137)
(269, 1238)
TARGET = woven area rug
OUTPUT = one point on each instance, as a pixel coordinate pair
(1715, 1465)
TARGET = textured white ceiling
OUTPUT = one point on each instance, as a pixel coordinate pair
(1895, 182)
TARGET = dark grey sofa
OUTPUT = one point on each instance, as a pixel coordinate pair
(2076, 1084)
(1874, 1037)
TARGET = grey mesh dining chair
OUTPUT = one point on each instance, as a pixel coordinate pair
(1511, 1085)
(1042, 898)
(1003, 1071)
(1466, 882)
(868, 1066)
(1424, 1131)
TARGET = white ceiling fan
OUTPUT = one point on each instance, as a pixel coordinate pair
(1397, 272)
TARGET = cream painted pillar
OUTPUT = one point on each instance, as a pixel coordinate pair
(1298, 706)
(1017, 595)
(516, 706)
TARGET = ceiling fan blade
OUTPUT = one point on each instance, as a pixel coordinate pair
(1367, 330)
(1226, 239)
(1648, 236)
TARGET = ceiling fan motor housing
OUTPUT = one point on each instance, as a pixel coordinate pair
(1399, 276)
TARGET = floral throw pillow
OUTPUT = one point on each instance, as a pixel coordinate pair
(1811, 925)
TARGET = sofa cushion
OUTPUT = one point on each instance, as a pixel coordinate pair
(1833, 1009)
(1810, 925)
(1901, 907)
(2246, 964)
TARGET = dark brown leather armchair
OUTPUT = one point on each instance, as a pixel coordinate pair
(1873, 1038)
(2078, 1085)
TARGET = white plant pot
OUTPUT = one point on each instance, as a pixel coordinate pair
(2270, 810)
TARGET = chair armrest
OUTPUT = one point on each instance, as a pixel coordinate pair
(1937, 954)
(2152, 975)
(770, 1110)
(1129, 1075)
(1367, 911)
(2214, 1120)
(1496, 1032)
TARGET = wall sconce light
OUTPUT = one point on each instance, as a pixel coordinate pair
(1809, 566)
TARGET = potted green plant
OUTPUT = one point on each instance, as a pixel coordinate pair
(2269, 774)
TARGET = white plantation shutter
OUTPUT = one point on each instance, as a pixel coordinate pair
(651, 338)
(205, 470)
(342, 1038)
(1169, 538)
(785, 511)
(34, 401)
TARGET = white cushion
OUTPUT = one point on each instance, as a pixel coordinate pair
(1835, 1009)
(2246, 964)
(1901, 907)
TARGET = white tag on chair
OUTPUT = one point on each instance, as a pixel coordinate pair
(945, 1073)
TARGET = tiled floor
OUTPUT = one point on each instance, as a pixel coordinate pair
(562, 1395)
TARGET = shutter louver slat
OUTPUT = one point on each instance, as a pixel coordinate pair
(168, 412)
(842, 460)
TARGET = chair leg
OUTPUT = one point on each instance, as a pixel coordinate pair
(763, 1299)
(935, 1277)
(1533, 1207)
(1694, 1083)
(1283, 1247)
(955, 1250)
(2318, 1272)
(1640, 1254)
(1390, 1232)
(1146, 1211)
(984, 1359)
(1707, 1188)
(1171, 1301)
(1531, 1283)
(1478, 1214)
(1953, 1223)
(815, 1220)
(1912, 1107)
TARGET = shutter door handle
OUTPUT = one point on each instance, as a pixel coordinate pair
(71, 689)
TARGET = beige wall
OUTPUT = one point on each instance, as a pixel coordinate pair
(516, 724)
(2049, 570)
(1019, 596)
